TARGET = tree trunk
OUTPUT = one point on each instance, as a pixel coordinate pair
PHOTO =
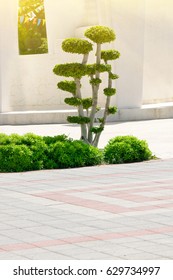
(108, 99)
(95, 96)
(80, 110)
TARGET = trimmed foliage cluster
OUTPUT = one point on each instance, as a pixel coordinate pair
(69, 86)
(110, 55)
(75, 45)
(78, 120)
(100, 34)
(33, 152)
(75, 70)
(126, 149)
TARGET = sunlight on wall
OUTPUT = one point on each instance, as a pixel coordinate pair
(32, 37)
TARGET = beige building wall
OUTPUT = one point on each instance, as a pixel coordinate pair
(8, 50)
(144, 31)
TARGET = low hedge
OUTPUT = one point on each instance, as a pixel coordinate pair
(126, 149)
(33, 152)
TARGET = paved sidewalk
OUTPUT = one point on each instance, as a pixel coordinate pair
(103, 212)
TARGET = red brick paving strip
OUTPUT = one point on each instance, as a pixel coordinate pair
(80, 239)
(98, 205)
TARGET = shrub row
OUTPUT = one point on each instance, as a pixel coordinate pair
(33, 152)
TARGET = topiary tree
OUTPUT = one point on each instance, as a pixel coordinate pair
(88, 107)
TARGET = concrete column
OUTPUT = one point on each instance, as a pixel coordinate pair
(158, 62)
(128, 21)
(8, 49)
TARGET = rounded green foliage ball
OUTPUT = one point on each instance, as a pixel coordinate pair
(87, 102)
(103, 68)
(75, 45)
(73, 101)
(113, 76)
(69, 86)
(95, 81)
(109, 91)
(100, 34)
(126, 149)
(78, 119)
(112, 110)
(75, 70)
(109, 55)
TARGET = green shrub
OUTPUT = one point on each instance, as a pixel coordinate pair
(126, 149)
(15, 158)
(34, 143)
(38, 147)
(33, 152)
(72, 154)
(49, 162)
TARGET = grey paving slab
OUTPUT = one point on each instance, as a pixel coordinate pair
(95, 256)
(143, 256)
(10, 256)
(41, 254)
